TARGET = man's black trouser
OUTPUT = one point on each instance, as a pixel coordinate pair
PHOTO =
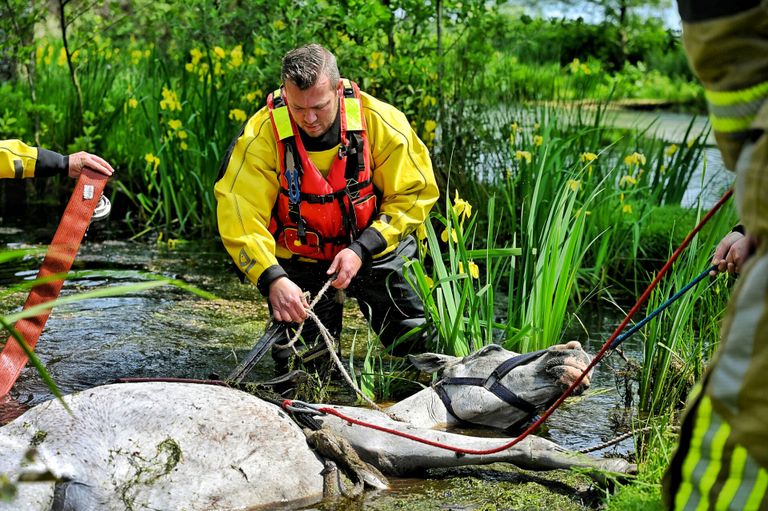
(387, 301)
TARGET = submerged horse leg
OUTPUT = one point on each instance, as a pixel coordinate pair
(399, 456)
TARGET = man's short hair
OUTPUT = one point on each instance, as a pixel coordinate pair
(305, 65)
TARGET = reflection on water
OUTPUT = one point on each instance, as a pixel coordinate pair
(162, 332)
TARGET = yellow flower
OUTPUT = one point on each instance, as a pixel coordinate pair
(153, 160)
(428, 100)
(538, 140)
(575, 66)
(430, 125)
(520, 155)
(444, 236)
(182, 134)
(170, 100)
(587, 157)
(429, 281)
(174, 124)
(62, 61)
(627, 180)
(626, 209)
(574, 185)
(254, 96)
(663, 169)
(536, 126)
(237, 115)
(189, 67)
(133, 103)
(196, 56)
(670, 150)
(279, 25)
(635, 159)
(585, 69)
(514, 127)
(236, 56)
(183, 146)
(421, 231)
(136, 57)
(219, 52)
(474, 271)
(461, 208)
(377, 60)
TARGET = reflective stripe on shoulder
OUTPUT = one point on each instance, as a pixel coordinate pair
(354, 114)
(282, 122)
(734, 111)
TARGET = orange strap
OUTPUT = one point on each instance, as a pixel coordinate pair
(58, 260)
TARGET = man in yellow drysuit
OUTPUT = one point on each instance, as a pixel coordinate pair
(327, 181)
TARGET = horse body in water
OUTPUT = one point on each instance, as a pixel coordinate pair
(198, 447)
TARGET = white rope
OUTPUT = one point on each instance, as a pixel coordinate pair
(330, 345)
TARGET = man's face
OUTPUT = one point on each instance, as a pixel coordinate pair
(314, 109)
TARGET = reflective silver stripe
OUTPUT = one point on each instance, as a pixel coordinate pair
(18, 168)
(748, 109)
(748, 479)
(705, 459)
(736, 352)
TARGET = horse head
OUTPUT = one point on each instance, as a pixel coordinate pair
(501, 389)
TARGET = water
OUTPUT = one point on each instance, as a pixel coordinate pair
(166, 332)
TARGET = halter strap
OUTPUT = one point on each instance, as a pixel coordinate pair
(493, 384)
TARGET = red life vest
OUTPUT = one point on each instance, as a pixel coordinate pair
(317, 216)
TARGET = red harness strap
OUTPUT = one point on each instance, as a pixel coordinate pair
(58, 260)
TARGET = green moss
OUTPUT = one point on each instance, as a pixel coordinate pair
(496, 487)
(38, 438)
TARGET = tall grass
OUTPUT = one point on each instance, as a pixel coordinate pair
(680, 341)
(457, 276)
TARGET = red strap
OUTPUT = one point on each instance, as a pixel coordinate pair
(58, 260)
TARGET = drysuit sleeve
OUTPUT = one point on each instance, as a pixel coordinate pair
(402, 174)
(245, 195)
(18, 160)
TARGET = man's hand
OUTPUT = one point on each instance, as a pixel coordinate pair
(346, 264)
(288, 301)
(732, 252)
(81, 160)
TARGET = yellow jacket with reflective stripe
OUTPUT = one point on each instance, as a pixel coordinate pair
(246, 192)
(18, 160)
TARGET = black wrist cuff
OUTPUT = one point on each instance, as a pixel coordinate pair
(50, 163)
(268, 276)
(372, 241)
(739, 228)
(361, 252)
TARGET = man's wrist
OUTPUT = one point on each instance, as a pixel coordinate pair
(269, 276)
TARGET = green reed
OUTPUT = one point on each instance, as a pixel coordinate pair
(679, 342)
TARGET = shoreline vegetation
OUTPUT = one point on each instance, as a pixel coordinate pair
(547, 208)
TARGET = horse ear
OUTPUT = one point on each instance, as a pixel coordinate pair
(432, 362)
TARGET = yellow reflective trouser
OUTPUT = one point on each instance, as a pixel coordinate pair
(721, 461)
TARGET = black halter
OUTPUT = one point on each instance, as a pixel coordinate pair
(493, 384)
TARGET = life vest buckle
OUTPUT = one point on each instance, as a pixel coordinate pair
(294, 187)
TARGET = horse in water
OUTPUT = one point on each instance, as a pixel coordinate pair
(160, 445)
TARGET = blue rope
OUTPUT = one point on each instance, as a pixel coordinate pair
(623, 337)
